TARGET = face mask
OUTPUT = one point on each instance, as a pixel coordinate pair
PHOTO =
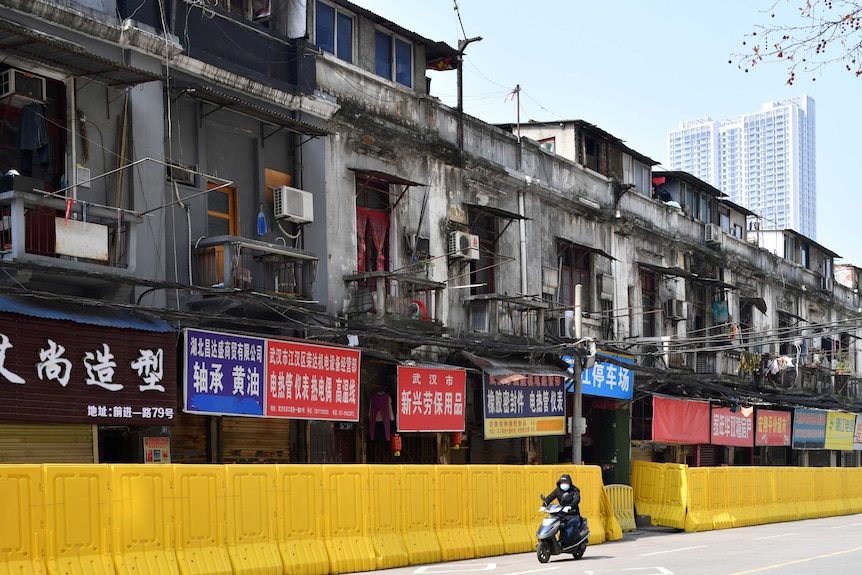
(564, 486)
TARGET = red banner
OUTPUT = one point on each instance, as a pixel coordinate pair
(312, 381)
(431, 399)
(734, 428)
(773, 428)
(680, 421)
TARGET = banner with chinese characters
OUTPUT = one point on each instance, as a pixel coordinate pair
(734, 428)
(227, 374)
(65, 372)
(809, 429)
(857, 435)
(430, 399)
(524, 405)
(840, 428)
(773, 428)
(607, 379)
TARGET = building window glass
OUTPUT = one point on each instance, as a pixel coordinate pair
(575, 265)
(334, 31)
(393, 58)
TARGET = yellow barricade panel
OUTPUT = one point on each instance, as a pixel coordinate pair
(740, 496)
(199, 492)
(142, 505)
(299, 497)
(22, 526)
(699, 516)
(452, 501)
(484, 510)
(785, 494)
(718, 504)
(674, 496)
(648, 488)
(593, 507)
(622, 501)
(346, 508)
(385, 520)
(251, 520)
(517, 520)
(419, 515)
(78, 519)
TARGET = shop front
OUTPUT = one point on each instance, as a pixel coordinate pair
(84, 384)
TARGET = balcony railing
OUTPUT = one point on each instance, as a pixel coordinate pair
(399, 296)
(508, 316)
(240, 263)
(36, 228)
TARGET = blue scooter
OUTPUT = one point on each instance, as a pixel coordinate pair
(572, 540)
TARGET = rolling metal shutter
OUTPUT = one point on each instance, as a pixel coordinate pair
(46, 443)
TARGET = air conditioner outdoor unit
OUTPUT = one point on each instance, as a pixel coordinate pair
(463, 245)
(294, 205)
(712, 235)
(567, 326)
(674, 309)
(20, 88)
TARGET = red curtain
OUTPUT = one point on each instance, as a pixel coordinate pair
(379, 222)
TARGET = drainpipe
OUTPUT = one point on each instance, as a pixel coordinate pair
(523, 229)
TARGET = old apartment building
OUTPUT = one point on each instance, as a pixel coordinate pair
(248, 233)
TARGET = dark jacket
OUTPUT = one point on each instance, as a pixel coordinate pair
(571, 497)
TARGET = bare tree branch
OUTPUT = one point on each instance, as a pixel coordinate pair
(830, 34)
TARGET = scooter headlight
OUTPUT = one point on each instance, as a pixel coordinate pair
(548, 521)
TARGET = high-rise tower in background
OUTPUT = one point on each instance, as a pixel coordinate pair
(763, 160)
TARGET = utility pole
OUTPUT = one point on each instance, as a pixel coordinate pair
(577, 400)
(462, 45)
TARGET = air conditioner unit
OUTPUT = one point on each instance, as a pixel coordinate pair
(294, 205)
(20, 88)
(674, 309)
(567, 326)
(463, 245)
(712, 235)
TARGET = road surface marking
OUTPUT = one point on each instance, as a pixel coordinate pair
(798, 561)
(774, 536)
(672, 550)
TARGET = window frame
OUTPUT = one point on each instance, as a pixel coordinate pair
(393, 70)
(338, 17)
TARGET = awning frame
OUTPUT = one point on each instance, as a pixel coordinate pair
(388, 178)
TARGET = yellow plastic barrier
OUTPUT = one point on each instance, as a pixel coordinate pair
(142, 509)
(452, 500)
(623, 503)
(718, 499)
(345, 508)
(199, 492)
(589, 479)
(741, 496)
(385, 519)
(251, 520)
(77, 519)
(699, 516)
(648, 480)
(786, 494)
(484, 509)
(299, 500)
(22, 527)
(419, 519)
(517, 515)
(613, 531)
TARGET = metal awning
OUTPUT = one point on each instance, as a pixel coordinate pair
(67, 56)
(712, 282)
(389, 179)
(497, 212)
(670, 271)
(86, 314)
(513, 369)
(223, 100)
(757, 302)
(597, 251)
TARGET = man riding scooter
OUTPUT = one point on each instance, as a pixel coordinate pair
(569, 496)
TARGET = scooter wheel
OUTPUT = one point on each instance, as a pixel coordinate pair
(579, 552)
(543, 551)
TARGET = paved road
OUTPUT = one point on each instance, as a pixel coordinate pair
(830, 545)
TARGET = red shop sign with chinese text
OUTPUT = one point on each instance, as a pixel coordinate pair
(431, 399)
(772, 428)
(734, 428)
(312, 381)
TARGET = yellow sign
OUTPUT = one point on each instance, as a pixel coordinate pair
(840, 427)
(524, 427)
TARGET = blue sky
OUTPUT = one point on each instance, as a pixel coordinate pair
(637, 69)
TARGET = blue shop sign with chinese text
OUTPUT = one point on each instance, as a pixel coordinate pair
(606, 379)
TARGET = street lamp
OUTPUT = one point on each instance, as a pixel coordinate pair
(462, 45)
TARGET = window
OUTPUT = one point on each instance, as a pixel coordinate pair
(649, 303)
(372, 224)
(393, 58)
(575, 265)
(221, 211)
(548, 144)
(642, 178)
(334, 31)
(482, 271)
